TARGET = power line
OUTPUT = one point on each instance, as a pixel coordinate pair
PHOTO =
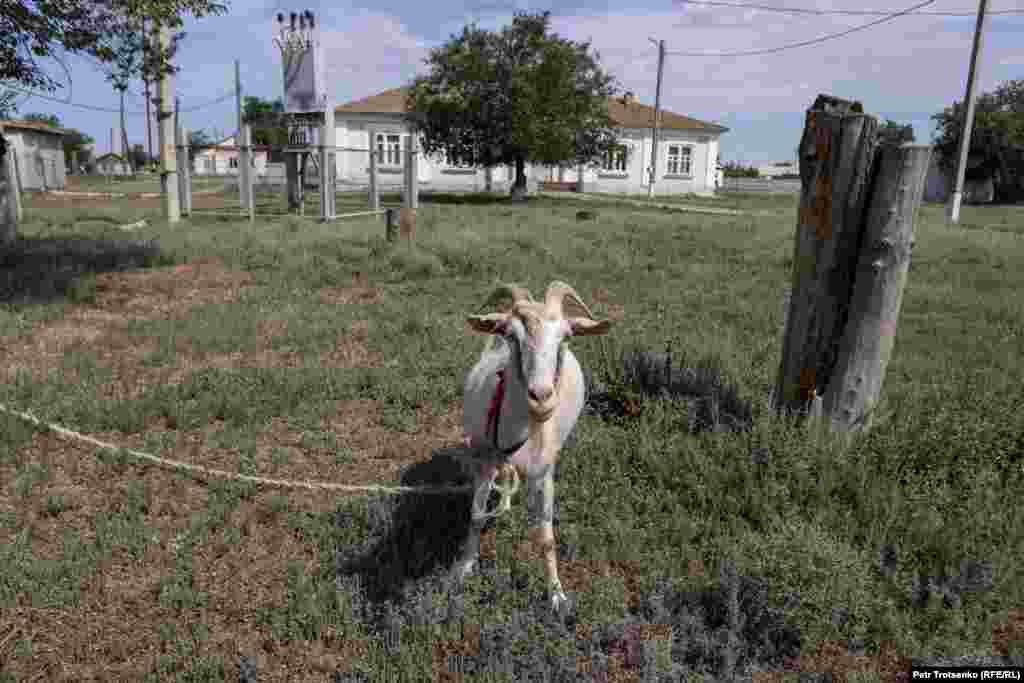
(822, 12)
(822, 39)
(114, 111)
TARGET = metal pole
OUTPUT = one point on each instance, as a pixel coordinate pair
(965, 138)
(657, 110)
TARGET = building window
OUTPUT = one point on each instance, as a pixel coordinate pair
(615, 159)
(679, 160)
(389, 149)
(233, 162)
(456, 162)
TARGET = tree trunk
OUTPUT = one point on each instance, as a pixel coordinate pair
(291, 165)
(519, 187)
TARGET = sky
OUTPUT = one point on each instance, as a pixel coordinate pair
(906, 69)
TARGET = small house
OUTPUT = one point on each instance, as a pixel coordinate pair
(38, 154)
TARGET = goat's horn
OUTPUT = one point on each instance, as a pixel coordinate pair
(556, 295)
(502, 290)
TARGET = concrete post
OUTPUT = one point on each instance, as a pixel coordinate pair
(168, 165)
(184, 173)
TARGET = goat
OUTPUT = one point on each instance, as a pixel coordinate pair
(521, 401)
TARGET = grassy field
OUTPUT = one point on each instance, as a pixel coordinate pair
(319, 352)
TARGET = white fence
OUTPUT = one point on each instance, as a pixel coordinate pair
(763, 185)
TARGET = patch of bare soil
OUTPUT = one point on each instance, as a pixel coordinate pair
(114, 633)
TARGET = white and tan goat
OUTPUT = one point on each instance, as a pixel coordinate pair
(521, 401)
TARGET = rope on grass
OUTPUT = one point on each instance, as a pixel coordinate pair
(199, 469)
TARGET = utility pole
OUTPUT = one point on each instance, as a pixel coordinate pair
(243, 171)
(124, 139)
(657, 111)
(168, 165)
(145, 80)
(965, 138)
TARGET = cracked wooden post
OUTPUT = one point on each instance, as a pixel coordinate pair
(882, 266)
(841, 188)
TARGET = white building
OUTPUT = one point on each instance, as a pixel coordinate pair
(687, 152)
(112, 164)
(222, 158)
(38, 154)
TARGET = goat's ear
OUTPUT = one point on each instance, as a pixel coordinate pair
(585, 326)
(492, 323)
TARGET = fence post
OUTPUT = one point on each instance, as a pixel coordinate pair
(244, 191)
(184, 173)
(328, 169)
(245, 177)
(488, 179)
(411, 189)
(374, 186)
(839, 169)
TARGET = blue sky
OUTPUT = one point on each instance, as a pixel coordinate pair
(906, 69)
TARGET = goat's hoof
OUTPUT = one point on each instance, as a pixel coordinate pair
(560, 604)
(462, 570)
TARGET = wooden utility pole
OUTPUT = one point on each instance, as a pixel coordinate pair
(854, 234)
(165, 117)
(243, 169)
(657, 111)
(145, 80)
(965, 138)
(124, 138)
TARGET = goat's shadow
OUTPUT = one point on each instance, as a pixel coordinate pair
(422, 533)
(415, 537)
(41, 270)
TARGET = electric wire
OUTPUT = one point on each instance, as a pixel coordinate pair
(852, 13)
(804, 43)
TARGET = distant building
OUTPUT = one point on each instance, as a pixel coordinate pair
(777, 168)
(38, 154)
(112, 164)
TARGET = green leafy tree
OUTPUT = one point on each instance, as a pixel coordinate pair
(997, 139)
(8, 104)
(76, 146)
(521, 95)
(48, 119)
(138, 156)
(34, 29)
(263, 114)
(733, 169)
(893, 133)
(197, 139)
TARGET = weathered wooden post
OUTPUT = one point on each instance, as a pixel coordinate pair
(245, 173)
(407, 215)
(391, 222)
(854, 229)
(374, 185)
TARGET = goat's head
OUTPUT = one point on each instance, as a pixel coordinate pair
(536, 331)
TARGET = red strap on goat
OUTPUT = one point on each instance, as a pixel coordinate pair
(494, 412)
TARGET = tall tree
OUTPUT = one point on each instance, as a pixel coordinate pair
(33, 29)
(997, 139)
(518, 96)
(263, 114)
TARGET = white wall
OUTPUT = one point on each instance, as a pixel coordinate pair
(40, 158)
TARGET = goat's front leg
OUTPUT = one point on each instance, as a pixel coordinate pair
(471, 550)
(541, 511)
